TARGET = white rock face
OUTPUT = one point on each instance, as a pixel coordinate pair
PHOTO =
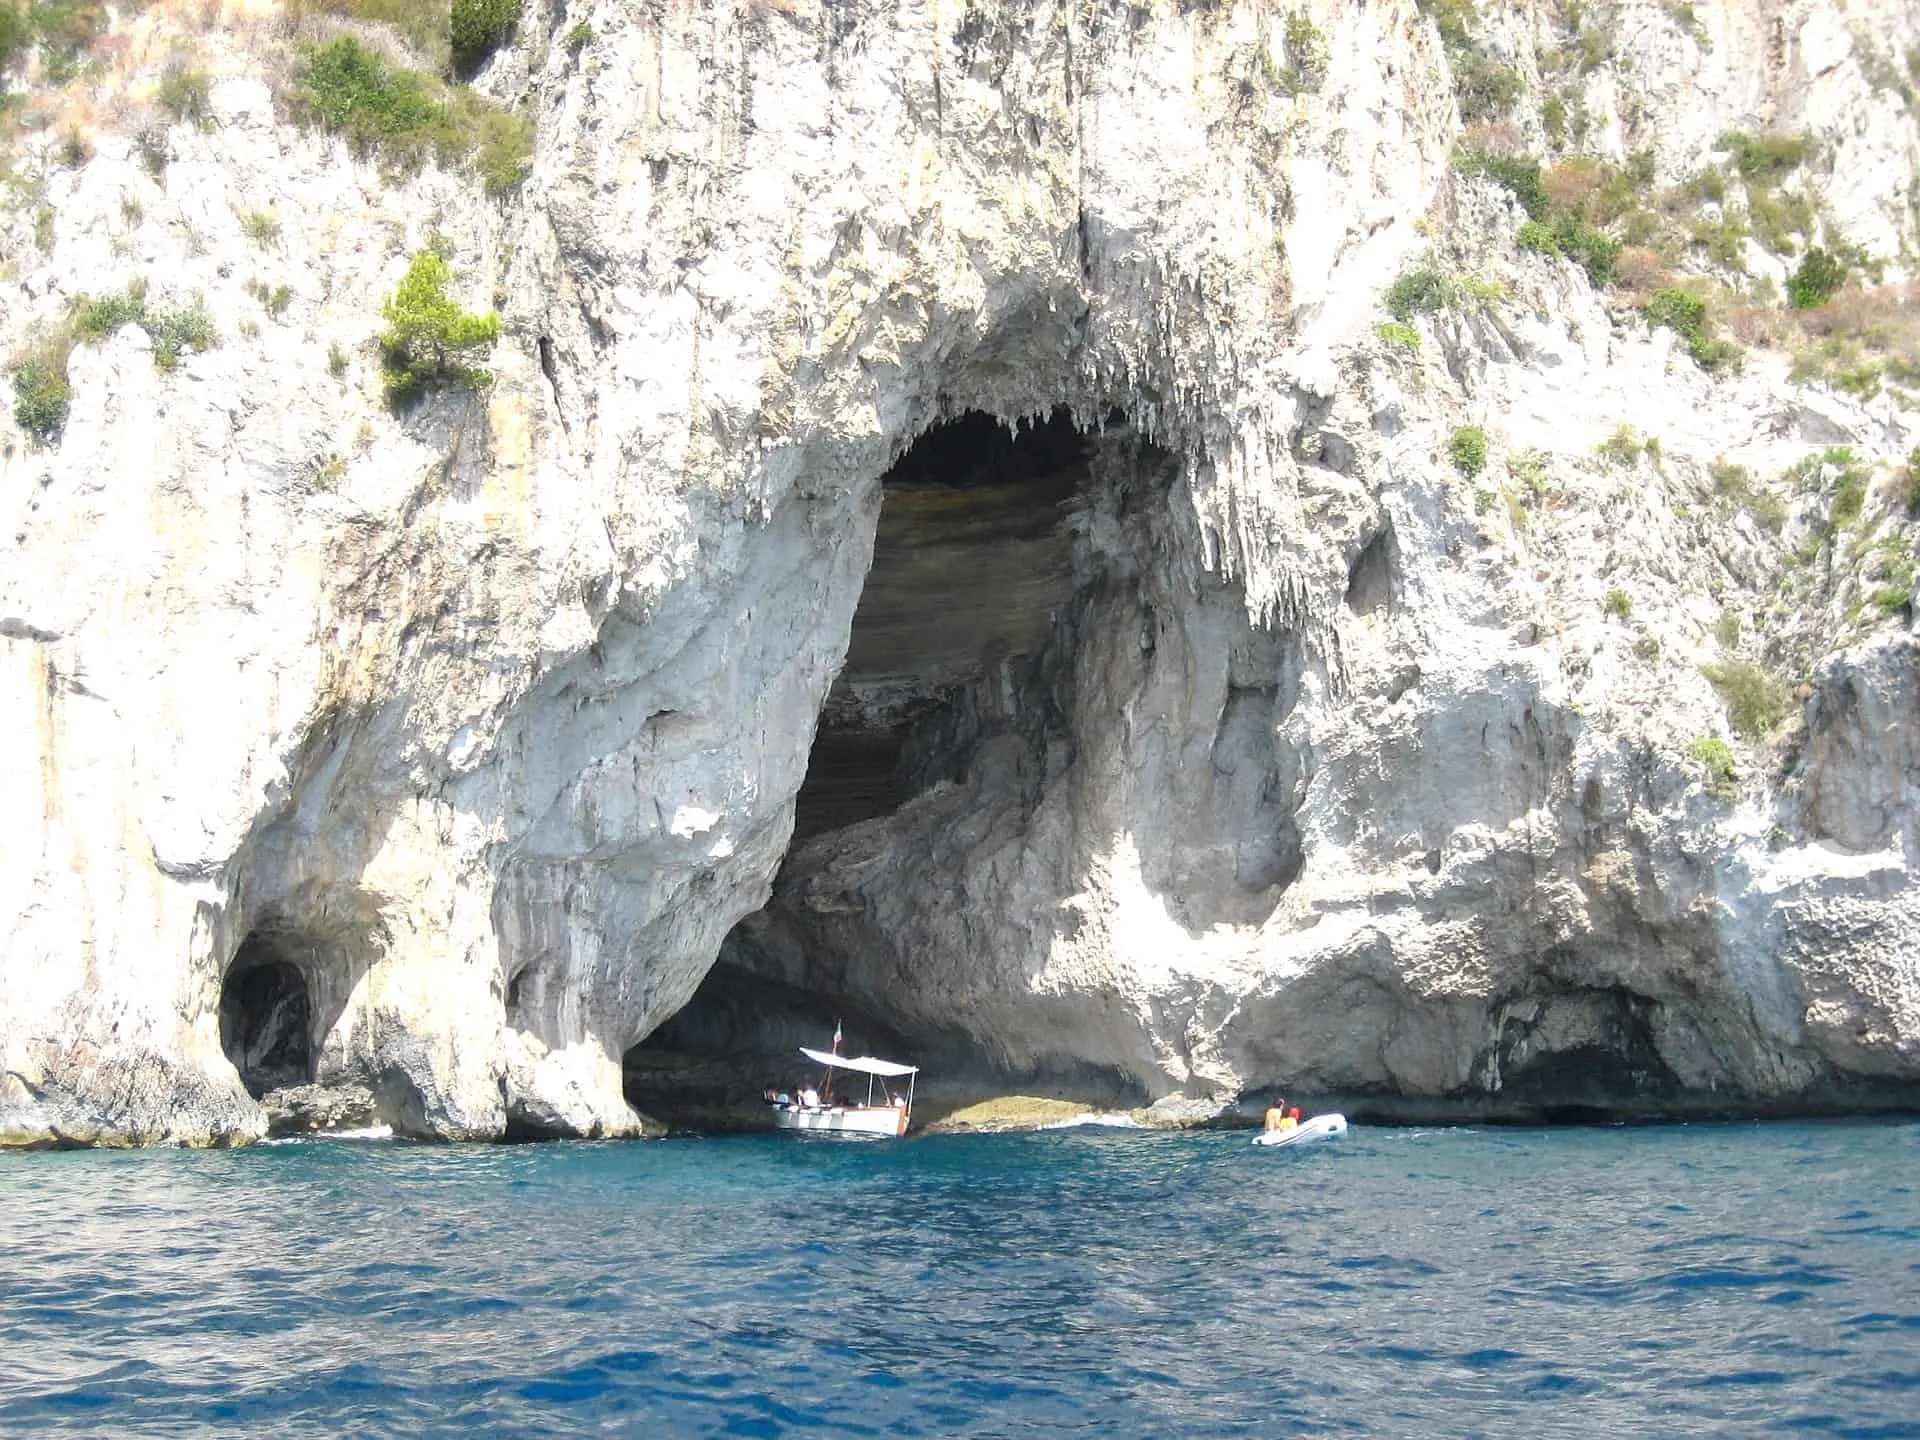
(487, 723)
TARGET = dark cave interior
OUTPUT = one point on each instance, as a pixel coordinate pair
(266, 1016)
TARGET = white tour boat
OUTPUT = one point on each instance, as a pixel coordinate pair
(817, 1110)
(1307, 1132)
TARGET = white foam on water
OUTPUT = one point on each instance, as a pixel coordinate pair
(1111, 1119)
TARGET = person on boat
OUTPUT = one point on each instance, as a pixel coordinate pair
(1277, 1114)
(1293, 1117)
(810, 1098)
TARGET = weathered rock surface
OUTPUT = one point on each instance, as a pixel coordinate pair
(1247, 746)
(320, 1109)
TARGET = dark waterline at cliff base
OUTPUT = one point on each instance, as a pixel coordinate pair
(1671, 1281)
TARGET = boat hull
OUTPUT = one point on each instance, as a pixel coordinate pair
(886, 1120)
(1307, 1132)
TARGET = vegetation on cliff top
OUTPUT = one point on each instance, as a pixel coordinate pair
(405, 116)
(478, 27)
(450, 35)
(42, 394)
(62, 31)
(1683, 253)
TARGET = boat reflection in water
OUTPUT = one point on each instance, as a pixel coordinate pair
(820, 1110)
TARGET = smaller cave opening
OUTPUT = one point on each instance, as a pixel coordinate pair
(518, 990)
(1370, 579)
(266, 1017)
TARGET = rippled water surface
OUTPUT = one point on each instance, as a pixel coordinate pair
(1685, 1280)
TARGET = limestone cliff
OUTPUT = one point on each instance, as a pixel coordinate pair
(980, 428)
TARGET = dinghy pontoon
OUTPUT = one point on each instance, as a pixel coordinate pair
(1307, 1132)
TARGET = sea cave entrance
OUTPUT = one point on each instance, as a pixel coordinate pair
(971, 562)
(959, 663)
(266, 1015)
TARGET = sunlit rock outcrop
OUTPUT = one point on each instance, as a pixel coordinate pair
(1208, 720)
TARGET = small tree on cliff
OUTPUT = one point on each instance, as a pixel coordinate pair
(431, 343)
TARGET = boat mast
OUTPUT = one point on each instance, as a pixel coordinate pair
(826, 1087)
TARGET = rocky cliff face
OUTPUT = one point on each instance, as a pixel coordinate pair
(950, 533)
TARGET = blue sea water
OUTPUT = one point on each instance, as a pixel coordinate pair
(1688, 1280)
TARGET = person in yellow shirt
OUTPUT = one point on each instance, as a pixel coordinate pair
(1278, 1117)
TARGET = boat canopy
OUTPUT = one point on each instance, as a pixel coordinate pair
(865, 1064)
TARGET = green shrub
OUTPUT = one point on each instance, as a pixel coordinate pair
(41, 397)
(64, 31)
(348, 89)
(1593, 250)
(477, 28)
(173, 329)
(1849, 493)
(1468, 449)
(1814, 283)
(1715, 355)
(1553, 118)
(431, 343)
(1780, 220)
(1891, 599)
(1682, 13)
(1910, 481)
(178, 329)
(1454, 19)
(336, 361)
(1735, 484)
(1518, 175)
(1306, 50)
(1726, 630)
(1485, 88)
(1532, 235)
(1715, 757)
(1730, 481)
(1396, 336)
(1679, 310)
(1529, 470)
(1420, 291)
(1764, 158)
(16, 37)
(262, 227)
(97, 317)
(274, 299)
(151, 143)
(1756, 701)
(74, 149)
(186, 94)
(1622, 448)
(504, 139)
(578, 38)
(1618, 605)
(1686, 315)
(1647, 648)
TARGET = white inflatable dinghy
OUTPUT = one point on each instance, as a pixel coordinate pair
(1307, 1132)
